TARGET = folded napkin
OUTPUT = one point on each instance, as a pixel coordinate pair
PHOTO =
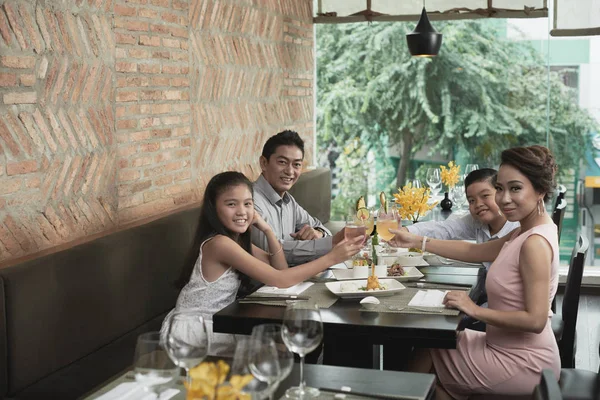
(428, 298)
(292, 290)
(135, 391)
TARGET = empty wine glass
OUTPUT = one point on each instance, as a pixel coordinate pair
(458, 196)
(470, 168)
(153, 368)
(186, 339)
(302, 331)
(242, 360)
(264, 362)
(285, 356)
(434, 180)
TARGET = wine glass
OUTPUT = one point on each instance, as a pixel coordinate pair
(302, 331)
(458, 196)
(153, 368)
(264, 361)
(186, 339)
(241, 365)
(470, 168)
(285, 357)
(434, 180)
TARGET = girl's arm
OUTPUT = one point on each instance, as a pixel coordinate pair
(535, 259)
(455, 249)
(275, 256)
(225, 251)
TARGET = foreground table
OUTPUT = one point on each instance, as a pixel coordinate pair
(396, 385)
(350, 333)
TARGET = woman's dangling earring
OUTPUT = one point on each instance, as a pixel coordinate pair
(540, 207)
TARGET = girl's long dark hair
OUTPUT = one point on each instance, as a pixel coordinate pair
(210, 225)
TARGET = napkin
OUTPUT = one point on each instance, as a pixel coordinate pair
(135, 391)
(428, 298)
(292, 290)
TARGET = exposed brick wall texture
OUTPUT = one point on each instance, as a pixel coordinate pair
(114, 110)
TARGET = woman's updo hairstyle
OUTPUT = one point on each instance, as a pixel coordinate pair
(536, 163)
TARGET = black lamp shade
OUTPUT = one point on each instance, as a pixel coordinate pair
(424, 41)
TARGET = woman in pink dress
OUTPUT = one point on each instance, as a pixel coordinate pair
(508, 358)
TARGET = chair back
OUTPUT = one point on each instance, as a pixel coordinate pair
(548, 388)
(570, 305)
(558, 214)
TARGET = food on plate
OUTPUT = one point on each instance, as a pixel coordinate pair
(361, 259)
(396, 270)
(373, 281)
(415, 250)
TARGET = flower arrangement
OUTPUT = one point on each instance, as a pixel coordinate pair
(450, 175)
(208, 382)
(413, 202)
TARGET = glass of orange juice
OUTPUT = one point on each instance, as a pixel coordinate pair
(386, 221)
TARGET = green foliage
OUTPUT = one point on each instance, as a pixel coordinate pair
(482, 92)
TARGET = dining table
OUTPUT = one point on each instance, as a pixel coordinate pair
(353, 336)
(353, 383)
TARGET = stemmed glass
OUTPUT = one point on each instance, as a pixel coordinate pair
(272, 332)
(153, 368)
(385, 222)
(470, 168)
(186, 339)
(302, 331)
(243, 359)
(458, 195)
(434, 180)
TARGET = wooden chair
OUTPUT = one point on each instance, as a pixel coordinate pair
(548, 388)
(580, 384)
(564, 325)
(558, 215)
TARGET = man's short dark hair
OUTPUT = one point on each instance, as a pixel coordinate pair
(480, 175)
(285, 138)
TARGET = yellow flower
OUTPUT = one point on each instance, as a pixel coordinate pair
(208, 382)
(450, 176)
(413, 202)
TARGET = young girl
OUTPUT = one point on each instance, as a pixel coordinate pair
(518, 343)
(227, 255)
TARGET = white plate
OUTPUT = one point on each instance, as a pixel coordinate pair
(411, 274)
(393, 286)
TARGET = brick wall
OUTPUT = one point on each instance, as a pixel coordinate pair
(113, 110)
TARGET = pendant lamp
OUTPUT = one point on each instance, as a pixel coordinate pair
(424, 41)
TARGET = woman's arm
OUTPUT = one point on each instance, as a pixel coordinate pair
(225, 251)
(535, 259)
(455, 249)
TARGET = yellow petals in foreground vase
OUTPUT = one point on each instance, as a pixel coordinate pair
(208, 382)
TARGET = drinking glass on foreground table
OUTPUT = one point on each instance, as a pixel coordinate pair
(153, 368)
(186, 341)
(302, 331)
(386, 221)
(272, 332)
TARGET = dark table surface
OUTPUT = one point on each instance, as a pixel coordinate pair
(346, 325)
(396, 385)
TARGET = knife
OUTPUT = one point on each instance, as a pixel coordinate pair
(370, 395)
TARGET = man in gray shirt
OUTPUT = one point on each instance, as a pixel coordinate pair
(302, 237)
